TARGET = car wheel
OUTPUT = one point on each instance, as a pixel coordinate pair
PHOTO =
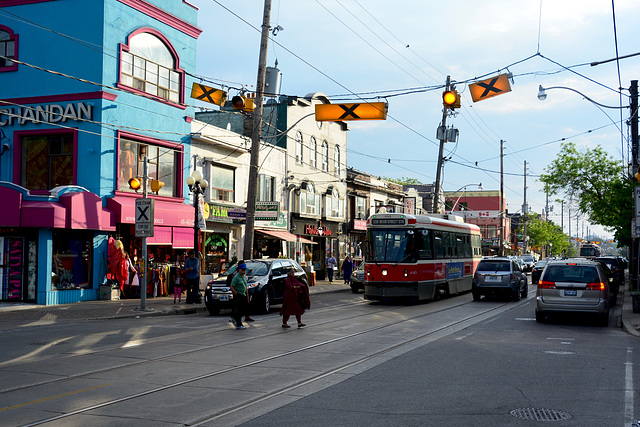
(476, 295)
(613, 300)
(266, 302)
(516, 295)
(354, 288)
(540, 317)
(525, 292)
(603, 319)
(214, 308)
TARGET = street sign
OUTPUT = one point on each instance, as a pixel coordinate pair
(340, 112)
(208, 94)
(489, 88)
(144, 214)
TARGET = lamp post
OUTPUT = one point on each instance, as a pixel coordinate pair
(197, 185)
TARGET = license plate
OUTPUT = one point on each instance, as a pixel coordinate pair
(223, 297)
(493, 278)
(568, 293)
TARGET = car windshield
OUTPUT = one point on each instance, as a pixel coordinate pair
(527, 258)
(571, 273)
(494, 266)
(253, 269)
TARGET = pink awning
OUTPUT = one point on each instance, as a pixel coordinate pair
(183, 238)
(285, 235)
(161, 236)
(167, 214)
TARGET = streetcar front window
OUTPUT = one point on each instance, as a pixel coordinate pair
(395, 245)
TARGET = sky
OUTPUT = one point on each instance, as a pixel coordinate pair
(402, 52)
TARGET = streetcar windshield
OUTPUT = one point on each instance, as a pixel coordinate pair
(393, 246)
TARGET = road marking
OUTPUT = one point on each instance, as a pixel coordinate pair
(628, 389)
(6, 408)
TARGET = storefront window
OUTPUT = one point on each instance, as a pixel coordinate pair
(47, 161)
(71, 260)
(162, 164)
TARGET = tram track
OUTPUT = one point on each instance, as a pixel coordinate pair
(402, 311)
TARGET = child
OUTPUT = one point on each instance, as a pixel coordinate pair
(177, 287)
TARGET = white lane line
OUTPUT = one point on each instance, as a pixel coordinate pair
(628, 389)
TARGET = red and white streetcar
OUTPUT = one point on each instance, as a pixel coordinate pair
(419, 257)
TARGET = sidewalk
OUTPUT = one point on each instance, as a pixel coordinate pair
(126, 308)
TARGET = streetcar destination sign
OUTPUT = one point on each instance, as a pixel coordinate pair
(387, 221)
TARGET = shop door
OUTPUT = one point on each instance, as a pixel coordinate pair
(12, 269)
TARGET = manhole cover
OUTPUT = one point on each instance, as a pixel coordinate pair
(540, 414)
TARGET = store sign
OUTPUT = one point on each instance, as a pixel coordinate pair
(237, 213)
(220, 213)
(267, 211)
(318, 231)
(410, 205)
(280, 223)
(359, 224)
(53, 113)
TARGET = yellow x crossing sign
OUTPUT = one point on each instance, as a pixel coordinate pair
(490, 87)
(340, 112)
(208, 94)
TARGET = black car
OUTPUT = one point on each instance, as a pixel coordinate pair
(536, 271)
(357, 279)
(616, 266)
(266, 280)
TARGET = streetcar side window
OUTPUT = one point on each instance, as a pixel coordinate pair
(425, 252)
(467, 246)
(459, 246)
(448, 244)
(438, 244)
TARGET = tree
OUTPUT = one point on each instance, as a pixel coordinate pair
(546, 234)
(404, 181)
(596, 183)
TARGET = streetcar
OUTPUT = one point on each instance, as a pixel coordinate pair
(590, 250)
(419, 257)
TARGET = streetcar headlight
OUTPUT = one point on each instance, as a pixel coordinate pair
(384, 272)
(405, 273)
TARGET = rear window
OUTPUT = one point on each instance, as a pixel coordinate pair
(494, 266)
(571, 273)
(527, 258)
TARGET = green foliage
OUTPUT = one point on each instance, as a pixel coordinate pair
(542, 233)
(404, 181)
(596, 183)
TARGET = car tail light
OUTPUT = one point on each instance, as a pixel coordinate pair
(513, 277)
(543, 284)
(598, 286)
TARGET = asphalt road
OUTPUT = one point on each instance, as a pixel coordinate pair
(450, 362)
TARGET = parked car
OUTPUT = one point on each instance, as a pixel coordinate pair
(266, 280)
(617, 269)
(357, 279)
(536, 271)
(529, 261)
(499, 276)
(573, 285)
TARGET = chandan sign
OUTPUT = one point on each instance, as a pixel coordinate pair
(52, 113)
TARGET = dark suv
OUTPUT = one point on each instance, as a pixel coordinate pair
(616, 266)
(266, 280)
(499, 276)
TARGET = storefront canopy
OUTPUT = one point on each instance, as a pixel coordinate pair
(285, 235)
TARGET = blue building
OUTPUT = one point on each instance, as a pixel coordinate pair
(87, 89)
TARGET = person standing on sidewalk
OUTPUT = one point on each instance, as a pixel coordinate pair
(347, 269)
(177, 286)
(192, 270)
(240, 295)
(330, 264)
(296, 300)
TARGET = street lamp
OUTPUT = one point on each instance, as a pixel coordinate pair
(542, 95)
(465, 189)
(197, 185)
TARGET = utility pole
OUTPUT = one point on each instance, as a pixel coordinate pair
(502, 198)
(252, 186)
(525, 208)
(635, 146)
(445, 111)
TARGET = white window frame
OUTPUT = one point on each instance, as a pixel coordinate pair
(299, 148)
(336, 160)
(325, 156)
(313, 155)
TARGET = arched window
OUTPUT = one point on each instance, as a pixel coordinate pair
(325, 156)
(150, 65)
(313, 156)
(336, 161)
(335, 206)
(8, 49)
(299, 146)
(310, 201)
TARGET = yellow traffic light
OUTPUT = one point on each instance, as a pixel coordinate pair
(135, 184)
(241, 102)
(451, 99)
(156, 185)
(637, 176)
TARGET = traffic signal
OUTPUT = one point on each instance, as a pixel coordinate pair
(637, 176)
(451, 99)
(243, 103)
(156, 185)
(135, 184)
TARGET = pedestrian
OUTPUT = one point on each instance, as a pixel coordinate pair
(330, 264)
(296, 300)
(240, 295)
(192, 271)
(232, 319)
(177, 286)
(347, 269)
